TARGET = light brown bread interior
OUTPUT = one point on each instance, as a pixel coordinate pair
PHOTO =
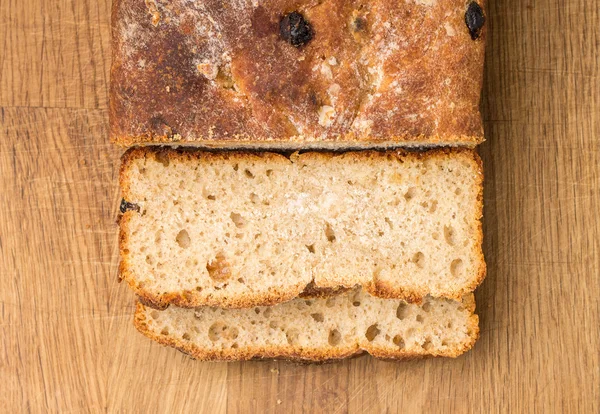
(317, 329)
(235, 229)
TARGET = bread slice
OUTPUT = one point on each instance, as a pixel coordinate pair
(355, 74)
(317, 329)
(234, 229)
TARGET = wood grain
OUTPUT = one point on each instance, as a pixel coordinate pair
(66, 338)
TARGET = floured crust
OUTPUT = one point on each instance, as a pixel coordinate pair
(376, 287)
(379, 73)
(304, 354)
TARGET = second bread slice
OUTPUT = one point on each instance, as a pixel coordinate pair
(318, 329)
(242, 229)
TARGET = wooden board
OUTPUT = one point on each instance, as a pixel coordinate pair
(66, 338)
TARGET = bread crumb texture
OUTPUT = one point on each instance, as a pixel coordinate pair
(238, 229)
(317, 330)
(295, 74)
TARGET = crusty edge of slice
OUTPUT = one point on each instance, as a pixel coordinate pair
(347, 141)
(299, 354)
(378, 288)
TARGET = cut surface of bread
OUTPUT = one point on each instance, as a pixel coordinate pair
(234, 229)
(373, 73)
(317, 329)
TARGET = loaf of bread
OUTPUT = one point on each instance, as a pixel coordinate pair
(317, 329)
(235, 229)
(297, 74)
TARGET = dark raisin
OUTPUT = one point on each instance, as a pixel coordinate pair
(126, 206)
(359, 24)
(474, 19)
(295, 30)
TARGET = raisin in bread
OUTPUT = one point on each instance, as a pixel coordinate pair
(317, 329)
(297, 74)
(235, 229)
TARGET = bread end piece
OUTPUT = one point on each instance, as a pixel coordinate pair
(352, 86)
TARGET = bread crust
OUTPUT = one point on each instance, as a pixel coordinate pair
(218, 74)
(304, 355)
(313, 291)
(378, 288)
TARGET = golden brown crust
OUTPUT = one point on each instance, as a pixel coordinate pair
(191, 299)
(219, 74)
(298, 354)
